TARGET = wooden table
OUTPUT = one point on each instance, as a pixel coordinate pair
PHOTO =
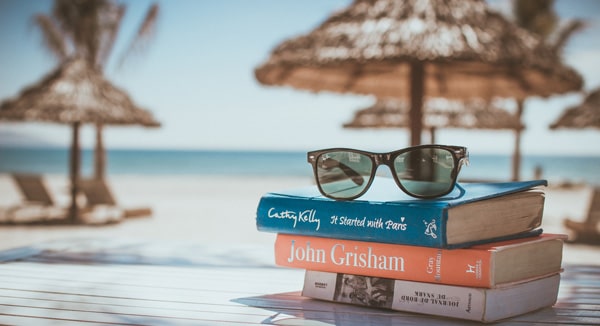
(107, 281)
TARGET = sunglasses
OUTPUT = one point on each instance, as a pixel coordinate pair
(425, 171)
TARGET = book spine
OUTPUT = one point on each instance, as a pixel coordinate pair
(466, 267)
(441, 300)
(354, 220)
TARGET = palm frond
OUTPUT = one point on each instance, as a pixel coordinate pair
(81, 21)
(537, 16)
(565, 33)
(89, 28)
(66, 15)
(52, 37)
(144, 33)
(111, 25)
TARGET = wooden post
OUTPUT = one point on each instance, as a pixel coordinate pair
(516, 162)
(99, 154)
(417, 86)
(75, 163)
(432, 134)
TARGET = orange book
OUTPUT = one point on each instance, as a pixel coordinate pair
(488, 265)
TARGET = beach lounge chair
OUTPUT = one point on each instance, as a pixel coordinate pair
(588, 231)
(99, 198)
(37, 205)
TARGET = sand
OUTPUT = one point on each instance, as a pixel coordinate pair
(215, 210)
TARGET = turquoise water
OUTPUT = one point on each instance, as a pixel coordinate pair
(204, 162)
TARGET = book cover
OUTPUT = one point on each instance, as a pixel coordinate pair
(485, 305)
(487, 266)
(477, 212)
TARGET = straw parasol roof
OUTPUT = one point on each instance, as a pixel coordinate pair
(409, 49)
(75, 93)
(584, 115)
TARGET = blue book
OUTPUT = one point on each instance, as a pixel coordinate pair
(472, 213)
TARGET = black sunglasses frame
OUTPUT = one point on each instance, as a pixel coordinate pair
(460, 156)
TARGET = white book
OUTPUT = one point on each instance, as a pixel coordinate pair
(480, 304)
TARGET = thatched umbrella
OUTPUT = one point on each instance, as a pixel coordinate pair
(75, 93)
(584, 115)
(438, 113)
(456, 49)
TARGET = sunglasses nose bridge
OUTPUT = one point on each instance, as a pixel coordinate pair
(384, 159)
(380, 159)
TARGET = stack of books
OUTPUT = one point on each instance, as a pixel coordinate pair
(477, 253)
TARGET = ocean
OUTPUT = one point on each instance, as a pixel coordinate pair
(556, 169)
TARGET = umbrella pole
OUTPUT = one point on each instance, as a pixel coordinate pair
(99, 155)
(417, 85)
(74, 171)
(516, 163)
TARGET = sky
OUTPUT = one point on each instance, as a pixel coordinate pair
(197, 78)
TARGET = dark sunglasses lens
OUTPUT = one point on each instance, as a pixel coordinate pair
(425, 172)
(343, 174)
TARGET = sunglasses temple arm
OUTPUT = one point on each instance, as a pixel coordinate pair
(460, 189)
(356, 178)
(348, 171)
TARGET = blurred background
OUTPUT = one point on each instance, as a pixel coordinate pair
(194, 71)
